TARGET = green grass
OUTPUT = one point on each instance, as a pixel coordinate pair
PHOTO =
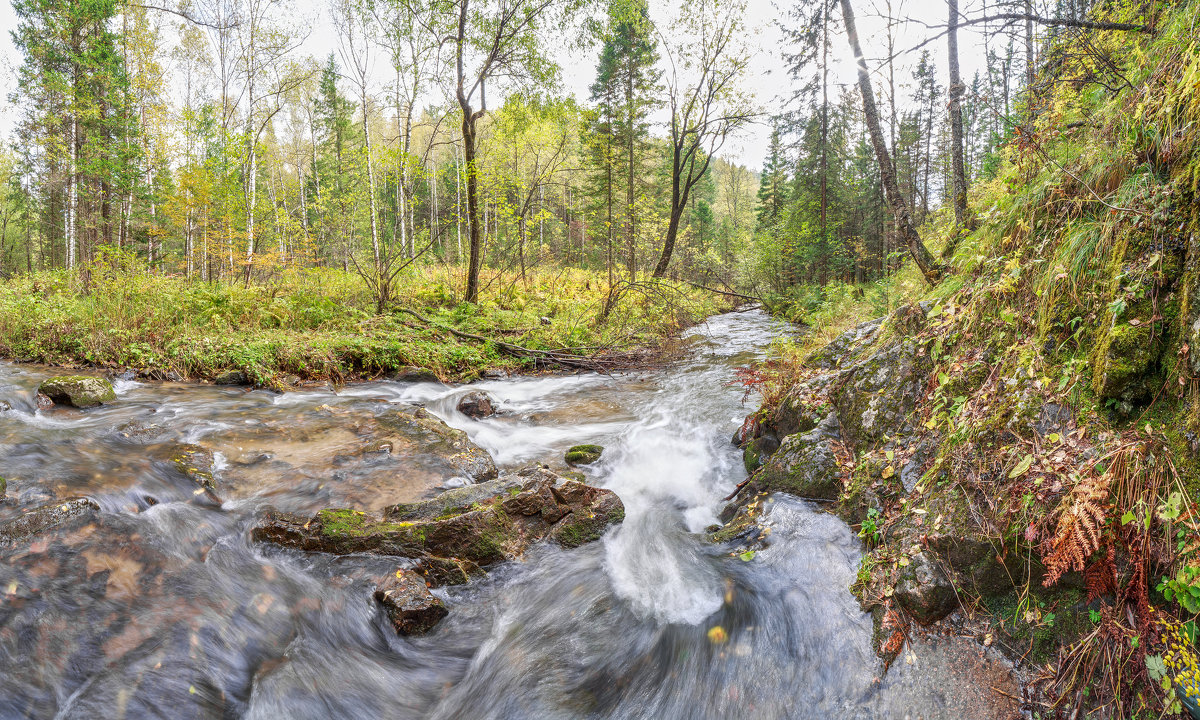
(320, 324)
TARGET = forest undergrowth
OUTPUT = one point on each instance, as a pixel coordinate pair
(1063, 398)
(322, 324)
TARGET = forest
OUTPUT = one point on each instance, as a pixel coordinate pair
(954, 282)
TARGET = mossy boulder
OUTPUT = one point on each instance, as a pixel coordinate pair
(804, 465)
(80, 391)
(924, 591)
(877, 395)
(3, 487)
(584, 454)
(757, 450)
(469, 527)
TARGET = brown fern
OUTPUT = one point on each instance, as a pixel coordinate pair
(1080, 525)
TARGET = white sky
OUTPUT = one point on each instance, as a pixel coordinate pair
(769, 79)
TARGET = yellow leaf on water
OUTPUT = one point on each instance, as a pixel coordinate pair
(717, 635)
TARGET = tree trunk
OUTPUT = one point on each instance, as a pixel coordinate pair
(957, 162)
(925, 261)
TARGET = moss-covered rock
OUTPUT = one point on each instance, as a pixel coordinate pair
(81, 391)
(468, 527)
(804, 465)
(584, 454)
(924, 591)
(878, 394)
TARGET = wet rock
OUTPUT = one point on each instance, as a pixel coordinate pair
(44, 402)
(159, 375)
(196, 464)
(414, 374)
(141, 432)
(583, 454)
(924, 591)
(40, 520)
(482, 524)
(231, 377)
(408, 604)
(757, 450)
(477, 405)
(451, 444)
(439, 571)
(81, 391)
(5, 406)
(804, 465)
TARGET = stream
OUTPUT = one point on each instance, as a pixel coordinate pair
(163, 608)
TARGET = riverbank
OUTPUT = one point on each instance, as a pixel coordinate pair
(321, 324)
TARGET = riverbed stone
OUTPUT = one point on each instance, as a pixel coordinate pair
(483, 525)
(49, 517)
(231, 377)
(477, 405)
(583, 454)
(408, 604)
(80, 391)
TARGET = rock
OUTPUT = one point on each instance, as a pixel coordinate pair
(231, 377)
(3, 487)
(757, 450)
(44, 402)
(804, 465)
(157, 375)
(81, 391)
(140, 432)
(583, 454)
(480, 525)
(409, 373)
(48, 517)
(878, 394)
(477, 405)
(5, 406)
(844, 345)
(196, 464)
(438, 571)
(924, 591)
(408, 604)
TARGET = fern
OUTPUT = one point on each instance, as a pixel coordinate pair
(1080, 525)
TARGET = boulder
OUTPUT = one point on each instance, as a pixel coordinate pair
(477, 405)
(408, 604)
(48, 517)
(924, 591)
(805, 465)
(878, 394)
(480, 525)
(410, 373)
(81, 391)
(231, 377)
(583, 454)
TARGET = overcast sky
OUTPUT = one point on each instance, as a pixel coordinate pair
(769, 78)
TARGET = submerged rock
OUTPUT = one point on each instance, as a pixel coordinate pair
(48, 517)
(408, 604)
(477, 405)
(584, 454)
(81, 391)
(481, 525)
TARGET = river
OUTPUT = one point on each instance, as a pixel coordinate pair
(163, 608)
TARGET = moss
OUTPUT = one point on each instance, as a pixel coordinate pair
(584, 454)
(1041, 622)
(355, 523)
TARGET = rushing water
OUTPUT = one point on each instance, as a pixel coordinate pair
(164, 608)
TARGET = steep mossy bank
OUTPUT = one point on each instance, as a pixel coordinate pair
(322, 324)
(1022, 442)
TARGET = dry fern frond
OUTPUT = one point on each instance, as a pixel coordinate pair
(1080, 525)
